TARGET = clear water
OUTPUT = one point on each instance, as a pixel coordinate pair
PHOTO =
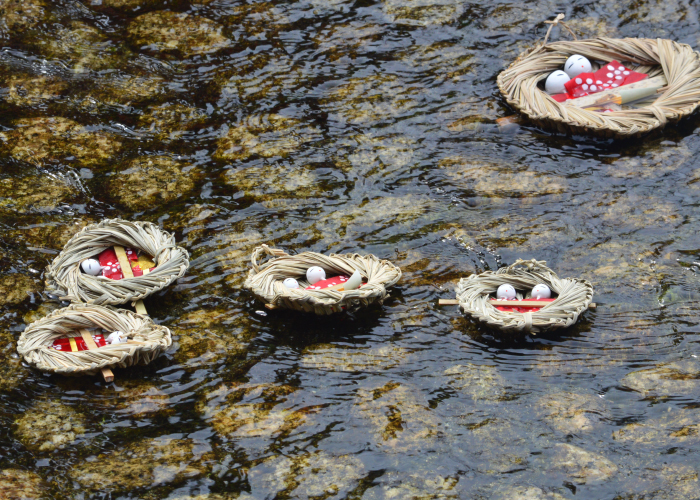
(339, 126)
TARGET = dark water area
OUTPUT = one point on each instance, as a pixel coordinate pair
(336, 126)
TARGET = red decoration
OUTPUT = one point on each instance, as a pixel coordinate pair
(515, 308)
(609, 76)
(110, 264)
(136, 270)
(64, 344)
(320, 285)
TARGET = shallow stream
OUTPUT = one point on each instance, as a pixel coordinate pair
(343, 126)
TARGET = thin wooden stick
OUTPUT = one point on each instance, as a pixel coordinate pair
(128, 273)
(106, 372)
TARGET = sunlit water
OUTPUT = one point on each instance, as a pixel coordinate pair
(339, 126)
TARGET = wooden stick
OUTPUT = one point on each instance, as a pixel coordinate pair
(527, 303)
(128, 273)
(448, 302)
(89, 341)
(609, 95)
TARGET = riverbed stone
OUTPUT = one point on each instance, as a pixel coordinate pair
(674, 427)
(49, 425)
(526, 493)
(480, 382)
(423, 12)
(121, 92)
(582, 466)
(20, 15)
(330, 357)
(266, 135)
(54, 139)
(147, 463)
(17, 484)
(680, 377)
(15, 288)
(572, 413)
(169, 122)
(151, 181)
(34, 193)
(25, 91)
(181, 33)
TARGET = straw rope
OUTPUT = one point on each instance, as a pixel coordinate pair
(65, 279)
(574, 295)
(265, 280)
(677, 62)
(35, 342)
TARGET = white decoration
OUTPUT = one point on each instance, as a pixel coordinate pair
(555, 82)
(91, 267)
(117, 337)
(505, 292)
(354, 282)
(577, 64)
(541, 291)
(315, 274)
(291, 283)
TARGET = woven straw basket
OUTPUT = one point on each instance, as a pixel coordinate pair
(677, 62)
(265, 280)
(65, 279)
(574, 296)
(150, 340)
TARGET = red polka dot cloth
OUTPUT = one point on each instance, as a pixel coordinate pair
(110, 264)
(515, 308)
(608, 77)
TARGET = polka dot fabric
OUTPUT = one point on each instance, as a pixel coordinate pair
(608, 77)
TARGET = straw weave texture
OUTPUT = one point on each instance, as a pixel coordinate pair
(65, 279)
(574, 295)
(265, 280)
(677, 62)
(35, 342)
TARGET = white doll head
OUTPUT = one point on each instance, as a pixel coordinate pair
(505, 292)
(555, 82)
(291, 283)
(91, 267)
(541, 291)
(577, 64)
(315, 274)
(116, 337)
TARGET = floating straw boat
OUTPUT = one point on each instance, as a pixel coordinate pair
(678, 63)
(265, 280)
(475, 293)
(65, 279)
(146, 340)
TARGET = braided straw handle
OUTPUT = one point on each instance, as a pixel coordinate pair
(258, 253)
(539, 265)
(553, 23)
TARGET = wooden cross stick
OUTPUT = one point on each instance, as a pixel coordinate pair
(510, 303)
(126, 270)
(90, 343)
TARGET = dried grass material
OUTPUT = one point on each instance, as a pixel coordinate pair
(265, 280)
(65, 279)
(677, 62)
(574, 295)
(35, 342)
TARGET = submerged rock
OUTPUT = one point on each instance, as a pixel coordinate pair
(121, 91)
(171, 121)
(527, 493)
(329, 357)
(144, 464)
(682, 377)
(11, 370)
(185, 34)
(572, 413)
(40, 140)
(480, 382)
(16, 484)
(423, 12)
(151, 181)
(15, 288)
(27, 91)
(266, 135)
(17, 16)
(395, 485)
(49, 425)
(581, 465)
(35, 193)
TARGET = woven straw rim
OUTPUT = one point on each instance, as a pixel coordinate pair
(265, 280)
(65, 279)
(574, 295)
(35, 342)
(679, 63)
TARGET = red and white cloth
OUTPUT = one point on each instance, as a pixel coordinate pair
(516, 308)
(608, 77)
(320, 285)
(110, 264)
(72, 344)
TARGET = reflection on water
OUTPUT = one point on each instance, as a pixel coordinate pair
(333, 126)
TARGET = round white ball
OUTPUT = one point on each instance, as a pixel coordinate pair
(577, 64)
(291, 283)
(117, 337)
(541, 291)
(555, 82)
(315, 274)
(505, 292)
(91, 267)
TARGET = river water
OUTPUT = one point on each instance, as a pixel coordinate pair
(342, 126)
